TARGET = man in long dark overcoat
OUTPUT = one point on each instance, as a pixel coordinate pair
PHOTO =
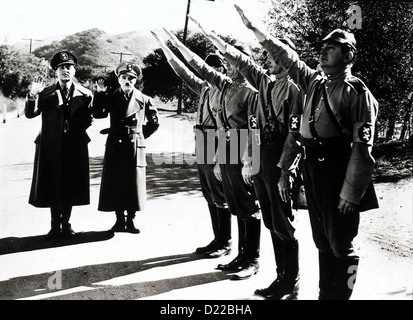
(133, 118)
(61, 165)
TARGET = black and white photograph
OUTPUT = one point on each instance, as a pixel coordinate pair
(206, 157)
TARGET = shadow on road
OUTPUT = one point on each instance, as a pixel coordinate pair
(166, 174)
(15, 245)
(91, 276)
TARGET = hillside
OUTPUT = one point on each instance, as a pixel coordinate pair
(94, 48)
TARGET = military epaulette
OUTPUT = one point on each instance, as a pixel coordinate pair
(357, 85)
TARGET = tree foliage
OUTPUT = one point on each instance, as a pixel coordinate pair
(384, 45)
(16, 71)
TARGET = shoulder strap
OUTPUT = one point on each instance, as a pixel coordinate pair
(330, 112)
(223, 112)
(210, 109)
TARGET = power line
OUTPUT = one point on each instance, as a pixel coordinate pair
(31, 43)
(122, 54)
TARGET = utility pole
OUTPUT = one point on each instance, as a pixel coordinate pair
(179, 109)
(31, 43)
(122, 54)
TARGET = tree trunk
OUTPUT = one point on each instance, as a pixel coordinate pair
(390, 128)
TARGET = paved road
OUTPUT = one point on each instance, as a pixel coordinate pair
(158, 263)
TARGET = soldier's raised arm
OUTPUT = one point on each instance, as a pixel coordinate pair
(195, 83)
(281, 53)
(208, 73)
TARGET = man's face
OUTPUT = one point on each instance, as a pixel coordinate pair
(232, 71)
(66, 72)
(331, 56)
(127, 83)
(271, 66)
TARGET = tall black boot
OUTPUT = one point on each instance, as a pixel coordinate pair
(130, 226)
(327, 275)
(345, 278)
(120, 224)
(56, 221)
(224, 217)
(213, 245)
(223, 236)
(238, 263)
(252, 252)
(67, 230)
(277, 244)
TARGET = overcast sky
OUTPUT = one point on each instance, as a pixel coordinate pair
(40, 19)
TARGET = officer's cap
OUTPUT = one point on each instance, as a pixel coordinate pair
(61, 58)
(341, 36)
(214, 60)
(128, 68)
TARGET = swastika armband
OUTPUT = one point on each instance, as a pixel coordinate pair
(253, 122)
(363, 132)
(294, 123)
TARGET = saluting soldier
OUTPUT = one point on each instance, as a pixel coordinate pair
(337, 133)
(279, 100)
(123, 186)
(61, 165)
(205, 128)
(236, 97)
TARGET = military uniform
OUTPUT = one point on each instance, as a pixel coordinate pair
(337, 132)
(269, 126)
(236, 100)
(61, 164)
(205, 130)
(123, 185)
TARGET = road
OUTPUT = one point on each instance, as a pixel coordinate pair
(158, 263)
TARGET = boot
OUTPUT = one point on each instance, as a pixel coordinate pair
(252, 252)
(119, 225)
(277, 244)
(130, 226)
(327, 274)
(224, 243)
(67, 230)
(238, 263)
(55, 230)
(345, 278)
(214, 244)
(287, 285)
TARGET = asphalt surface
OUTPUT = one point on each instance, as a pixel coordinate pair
(157, 264)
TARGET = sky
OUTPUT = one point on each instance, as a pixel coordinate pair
(41, 19)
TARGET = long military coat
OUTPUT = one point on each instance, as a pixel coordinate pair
(61, 164)
(123, 185)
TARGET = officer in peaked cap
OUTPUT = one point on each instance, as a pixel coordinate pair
(61, 58)
(133, 118)
(61, 170)
(129, 69)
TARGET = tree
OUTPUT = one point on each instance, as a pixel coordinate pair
(384, 43)
(16, 71)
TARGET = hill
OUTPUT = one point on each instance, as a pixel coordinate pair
(95, 48)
